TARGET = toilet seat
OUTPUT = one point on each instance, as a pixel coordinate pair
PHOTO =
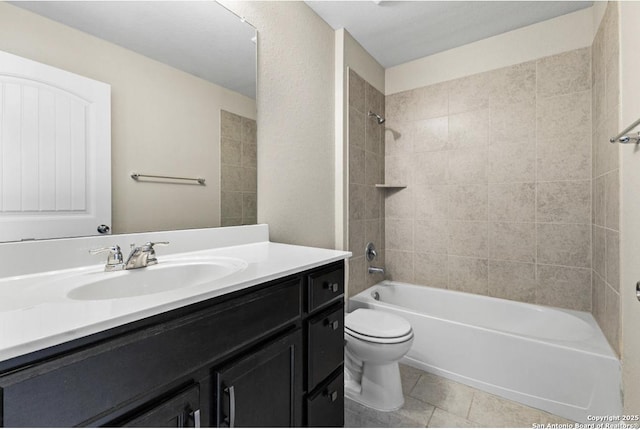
(377, 327)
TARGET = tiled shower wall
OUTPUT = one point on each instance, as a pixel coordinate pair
(238, 170)
(366, 168)
(498, 173)
(606, 188)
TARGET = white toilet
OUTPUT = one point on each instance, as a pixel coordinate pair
(374, 342)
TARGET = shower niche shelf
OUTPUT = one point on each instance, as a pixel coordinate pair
(391, 186)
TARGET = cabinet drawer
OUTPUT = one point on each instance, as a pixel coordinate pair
(75, 388)
(325, 344)
(324, 287)
(325, 407)
(180, 410)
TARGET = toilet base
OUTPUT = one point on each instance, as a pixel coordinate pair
(380, 387)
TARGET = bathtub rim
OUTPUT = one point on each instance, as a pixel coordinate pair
(602, 348)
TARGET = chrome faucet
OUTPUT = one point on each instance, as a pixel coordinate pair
(373, 270)
(142, 256)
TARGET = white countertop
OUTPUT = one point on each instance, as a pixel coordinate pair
(35, 312)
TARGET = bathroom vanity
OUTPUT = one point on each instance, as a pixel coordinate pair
(262, 347)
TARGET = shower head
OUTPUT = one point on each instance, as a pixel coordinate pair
(380, 119)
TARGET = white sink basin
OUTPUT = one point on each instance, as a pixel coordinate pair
(160, 278)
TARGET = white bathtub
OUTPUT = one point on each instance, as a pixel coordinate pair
(552, 359)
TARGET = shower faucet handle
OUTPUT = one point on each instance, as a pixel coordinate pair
(370, 251)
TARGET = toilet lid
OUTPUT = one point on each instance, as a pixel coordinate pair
(375, 323)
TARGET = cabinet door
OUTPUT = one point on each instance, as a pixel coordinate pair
(263, 388)
(180, 410)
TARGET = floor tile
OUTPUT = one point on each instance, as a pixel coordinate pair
(444, 419)
(487, 409)
(443, 393)
(409, 376)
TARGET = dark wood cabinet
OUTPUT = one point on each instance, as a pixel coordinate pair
(263, 388)
(255, 358)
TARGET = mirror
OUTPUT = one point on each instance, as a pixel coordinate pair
(183, 84)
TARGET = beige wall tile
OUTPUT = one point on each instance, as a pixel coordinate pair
(612, 86)
(467, 166)
(249, 207)
(512, 280)
(373, 203)
(565, 158)
(374, 232)
(612, 318)
(356, 166)
(429, 134)
(373, 173)
(250, 154)
(230, 152)
(470, 275)
(399, 234)
(564, 202)
(512, 202)
(357, 195)
(562, 116)
(598, 298)
(374, 100)
(564, 244)
(431, 202)
(599, 250)
(399, 203)
(356, 275)
(470, 93)
(513, 84)
(249, 131)
(398, 170)
(468, 239)
(598, 201)
(469, 129)
(356, 128)
(231, 178)
(565, 287)
(356, 237)
(373, 134)
(511, 122)
(398, 137)
(429, 168)
(468, 202)
(228, 222)
(430, 102)
(399, 266)
(565, 73)
(612, 258)
(230, 126)
(512, 241)
(399, 106)
(431, 270)
(249, 179)
(356, 91)
(512, 161)
(431, 236)
(231, 204)
(612, 200)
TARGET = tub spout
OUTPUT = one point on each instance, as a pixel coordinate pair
(373, 270)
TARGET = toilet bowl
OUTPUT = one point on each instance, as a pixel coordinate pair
(374, 342)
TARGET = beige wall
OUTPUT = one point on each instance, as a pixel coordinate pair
(629, 16)
(561, 34)
(605, 173)
(164, 121)
(498, 173)
(296, 150)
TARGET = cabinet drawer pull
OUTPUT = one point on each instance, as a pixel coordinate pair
(196, 418)
(333, 286)
(232, 405)
(335, 325)
(333, 396)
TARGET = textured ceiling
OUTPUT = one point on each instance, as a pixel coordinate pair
(199, 37)
(395, 32)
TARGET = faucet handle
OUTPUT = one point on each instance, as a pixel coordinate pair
(148, 248)
(113, 260)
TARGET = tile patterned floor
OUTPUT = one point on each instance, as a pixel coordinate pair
(436, 402)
